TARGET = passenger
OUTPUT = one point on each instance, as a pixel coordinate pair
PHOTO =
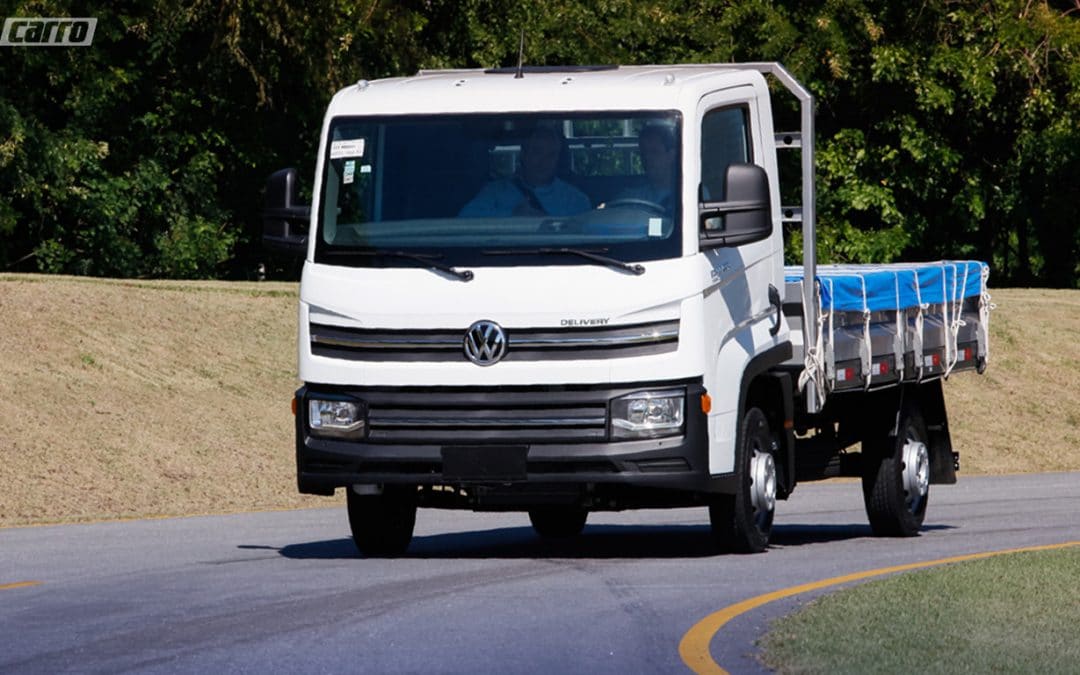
(534, 190)
(658, 152)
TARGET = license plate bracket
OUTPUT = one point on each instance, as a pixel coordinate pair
(484, 462)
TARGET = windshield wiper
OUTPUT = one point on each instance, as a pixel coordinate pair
(429, 259)
(588, 253)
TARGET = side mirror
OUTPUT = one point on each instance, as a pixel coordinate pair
(285, 223)
(744, 216)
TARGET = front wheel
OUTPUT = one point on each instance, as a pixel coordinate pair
(896, 478)
(743, 521)
(382, 524)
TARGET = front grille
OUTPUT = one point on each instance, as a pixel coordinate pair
(508, 421)
(523, 344)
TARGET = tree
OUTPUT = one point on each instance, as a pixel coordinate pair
(144, 154)
(944, 128)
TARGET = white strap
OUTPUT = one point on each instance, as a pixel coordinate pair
(830, 353)
(945, 309)
(898, 339)
(867, 356)
(956, 321)
(985, 307)
(814, 355)
(917, 339)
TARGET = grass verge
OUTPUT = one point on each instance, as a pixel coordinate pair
(1011, 613)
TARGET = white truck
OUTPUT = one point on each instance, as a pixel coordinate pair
(562, 290)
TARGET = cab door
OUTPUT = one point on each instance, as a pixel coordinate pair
(741, 303)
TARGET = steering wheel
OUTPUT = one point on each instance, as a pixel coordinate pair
(658, 209)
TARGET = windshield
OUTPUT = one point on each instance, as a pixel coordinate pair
(500, 189)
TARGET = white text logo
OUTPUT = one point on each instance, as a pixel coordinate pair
(47, 32)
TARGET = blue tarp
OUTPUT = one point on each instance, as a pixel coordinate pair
(855, 288)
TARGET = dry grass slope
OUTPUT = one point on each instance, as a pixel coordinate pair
(121, 399)
(1023, 414)
(135, 398)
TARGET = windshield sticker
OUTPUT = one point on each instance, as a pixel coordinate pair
(350, 148)
(350, 168)
(365, 168)
(656, 227)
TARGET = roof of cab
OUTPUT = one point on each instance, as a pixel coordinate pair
(540, 89)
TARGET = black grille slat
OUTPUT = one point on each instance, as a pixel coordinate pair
(413, 422)
(544, 417)
(444, 436)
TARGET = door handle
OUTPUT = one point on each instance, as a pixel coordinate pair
(774, 299)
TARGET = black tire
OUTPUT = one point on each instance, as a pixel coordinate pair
(894, 493)
(742, 522)
(382, 525)
(558, 522)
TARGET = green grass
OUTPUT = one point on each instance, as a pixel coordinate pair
(1017, 613)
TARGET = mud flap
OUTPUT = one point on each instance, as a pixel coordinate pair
(943, 461)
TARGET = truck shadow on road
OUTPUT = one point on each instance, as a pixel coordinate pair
(596, 542)
(802, 534)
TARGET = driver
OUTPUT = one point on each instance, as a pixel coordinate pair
(657, 145)
(534, 190)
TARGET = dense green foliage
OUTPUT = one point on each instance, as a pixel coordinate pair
(945, 128)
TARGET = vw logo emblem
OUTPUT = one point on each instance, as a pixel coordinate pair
(485, 343)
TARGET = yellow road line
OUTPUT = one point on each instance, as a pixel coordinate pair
(19, 584)
(694, 646)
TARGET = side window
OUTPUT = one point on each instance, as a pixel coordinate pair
(724, 141)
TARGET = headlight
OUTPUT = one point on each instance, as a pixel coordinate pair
(648, 414)
(337, 417)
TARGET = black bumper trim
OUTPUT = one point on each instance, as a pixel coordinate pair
(677, 462)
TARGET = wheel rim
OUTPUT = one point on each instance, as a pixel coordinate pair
(763, 485)
(916, 474)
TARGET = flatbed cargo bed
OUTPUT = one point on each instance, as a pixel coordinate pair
(882, 325)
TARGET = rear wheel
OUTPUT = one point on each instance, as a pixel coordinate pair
(743, 521)
(896, 478)
(558, 522)
(382, 524)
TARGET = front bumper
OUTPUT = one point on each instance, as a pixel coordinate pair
(554, 440)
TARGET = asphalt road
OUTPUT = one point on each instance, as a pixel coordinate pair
(286, 591)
